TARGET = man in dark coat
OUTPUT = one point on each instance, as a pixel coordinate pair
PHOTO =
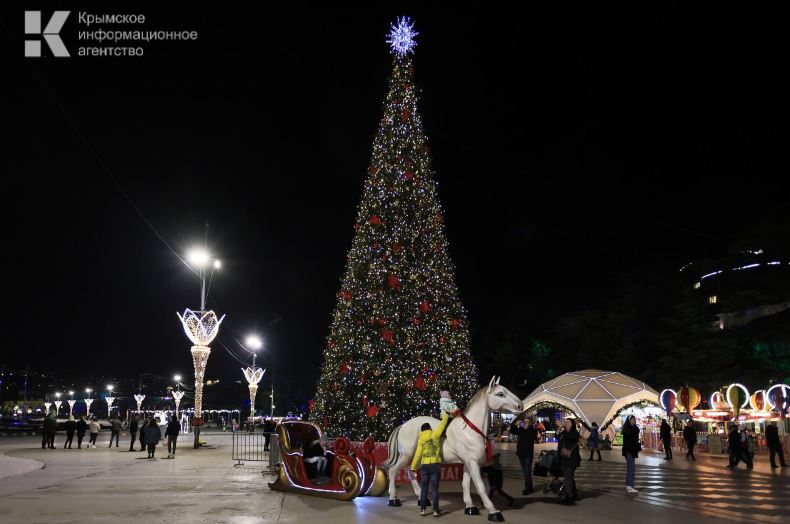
(70, 426)
(82, 427)
(774, 444)
(143, 428)
(666, 438)
(690, 437)
(171, 432)
(133, 424)
(153, 434)
(48, 431)
(569, 444)
(631, 448)
(268, 429)
(525, 449)
(733, 446)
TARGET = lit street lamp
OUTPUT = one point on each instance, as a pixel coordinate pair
(88, 402)
(46, 405)
(71, 402)
(253, 374)
(178, 394)
(139, 399)
(110, 399)
(58, 402)
(201, 327)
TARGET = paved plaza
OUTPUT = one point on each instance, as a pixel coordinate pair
(114, 485)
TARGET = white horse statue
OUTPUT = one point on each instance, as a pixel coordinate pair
(462, 444)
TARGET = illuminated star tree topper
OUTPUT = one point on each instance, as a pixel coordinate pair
(401, 37)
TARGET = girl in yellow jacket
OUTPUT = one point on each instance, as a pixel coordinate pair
(429, 457)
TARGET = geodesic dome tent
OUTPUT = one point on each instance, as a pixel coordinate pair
(593, 395)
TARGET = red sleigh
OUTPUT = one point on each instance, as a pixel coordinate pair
(351, 474)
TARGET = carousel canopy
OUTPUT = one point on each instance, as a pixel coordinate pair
(594, 395)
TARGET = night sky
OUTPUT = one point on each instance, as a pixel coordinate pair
(570, 146)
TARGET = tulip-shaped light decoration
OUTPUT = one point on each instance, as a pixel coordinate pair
(109, 400)
(200, 328)
(46, 405)
(57, 407)
(139, 399)
(71, 406)
(88, 402)
(177, 396)
(253, 376)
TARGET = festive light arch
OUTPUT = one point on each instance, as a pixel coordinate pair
(784, 388)
(663, 402)
(746, 395)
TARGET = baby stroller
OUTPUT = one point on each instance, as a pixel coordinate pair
(548, 463)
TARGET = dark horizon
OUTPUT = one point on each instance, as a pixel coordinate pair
(570, 149)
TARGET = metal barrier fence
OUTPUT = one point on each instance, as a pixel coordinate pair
(251, 447)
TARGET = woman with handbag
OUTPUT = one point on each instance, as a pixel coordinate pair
(631, 449)
(570, 458)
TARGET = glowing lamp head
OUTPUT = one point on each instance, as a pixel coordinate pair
(57, 395)
(88, 390)
(254, 342)
(217, 264)
(198, 257)
(71, 392)
(110, 387)
(177, 378)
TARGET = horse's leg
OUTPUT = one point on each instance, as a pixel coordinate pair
(469, 506)
(393, 472)
(493, 513)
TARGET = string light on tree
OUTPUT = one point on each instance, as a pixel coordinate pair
(399, 334)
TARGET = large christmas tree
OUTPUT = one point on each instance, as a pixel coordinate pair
(399, 334)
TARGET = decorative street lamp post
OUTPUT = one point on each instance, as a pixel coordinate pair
(253, 374)
(200, 327)
(110, 399)
(178, 395)
(71, 402)
(46, 405)
(57, 408)
(139, 399)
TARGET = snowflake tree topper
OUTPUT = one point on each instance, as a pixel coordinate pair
(401, 37)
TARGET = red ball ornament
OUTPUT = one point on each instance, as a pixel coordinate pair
(344, 368)
(374, 246)
(325, 422)
(442, 340)
(387, 335)
(419, 383)
(373, 170)
(372, 411)
(425, 306)
(393, 282)
(406, 115)
(455, 323)
(408, 175)
(345, 295)
(415, 321)
(311, 405)
(375, 220)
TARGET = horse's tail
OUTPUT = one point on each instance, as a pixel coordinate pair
(392, 446)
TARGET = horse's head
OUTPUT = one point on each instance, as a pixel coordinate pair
(501, 399)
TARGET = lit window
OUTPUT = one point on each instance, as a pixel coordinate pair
(712, 299)
(697, 285)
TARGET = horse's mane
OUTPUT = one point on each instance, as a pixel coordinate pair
(477, 396)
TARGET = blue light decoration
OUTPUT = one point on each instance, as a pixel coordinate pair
(401, 38)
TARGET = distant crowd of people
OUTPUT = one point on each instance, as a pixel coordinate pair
(145, 430)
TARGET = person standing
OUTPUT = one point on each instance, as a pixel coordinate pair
(268, 429)
(133, 424)
(742, 448)
(690, 436)
(141, 436)
(70, 425)
(115, 431)
(733, 446)
(631, 449)
(152, 437)
(493, 471)
(48, 431)
(570, 458)
(774, 444)
(82, 426)
(94, 428)
(592, 441)
(665, 432)
(171, 432)
(527, 434)
(429, 457)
